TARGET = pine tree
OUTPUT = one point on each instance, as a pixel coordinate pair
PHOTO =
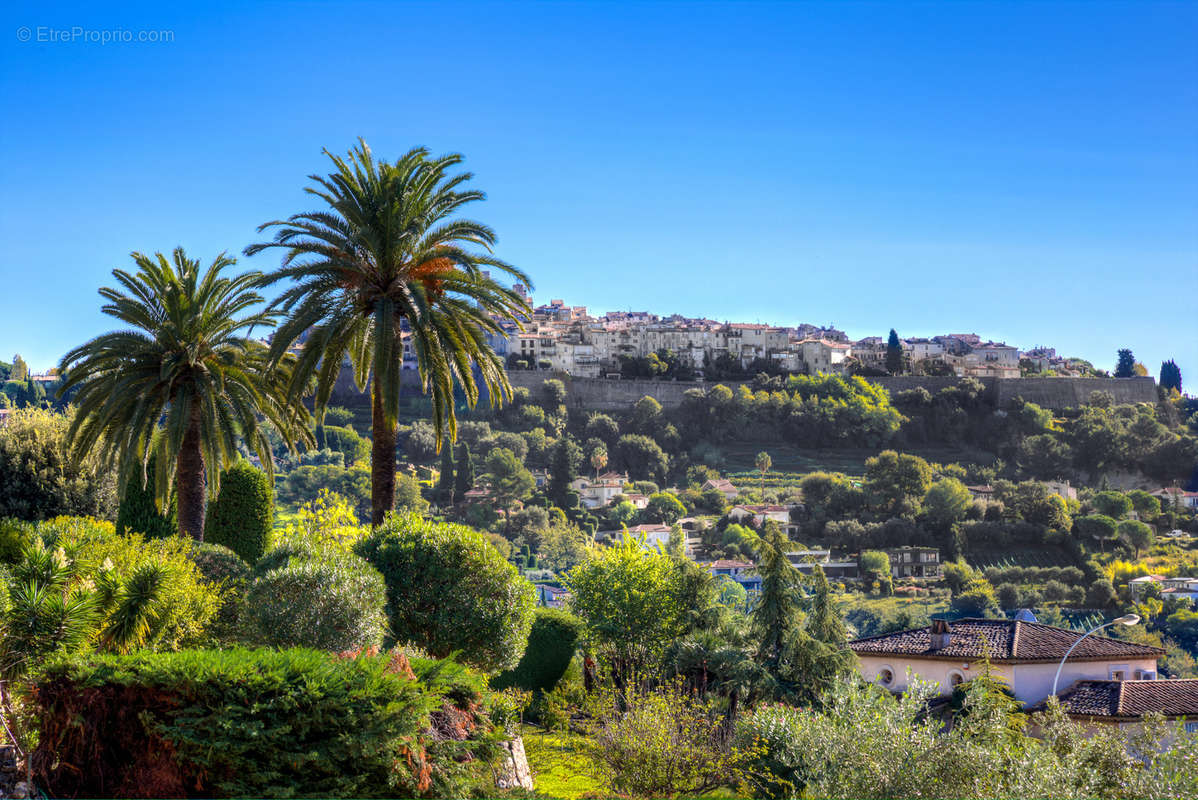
(445, 481)
(464, 481)
(564, 460)
(894, 354)
(824, 622)
(1126, 365)
(1170, 376)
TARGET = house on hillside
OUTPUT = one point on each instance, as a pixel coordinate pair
(757, 514)
(1022, 653)
(743, 572)
(1182, 587)
(598, 492)
(723, 486)
(839, 568)
(1172, 497)
(1126, 703)
(920, 563)
(654, 535)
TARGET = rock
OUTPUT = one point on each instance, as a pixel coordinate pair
(512, 770)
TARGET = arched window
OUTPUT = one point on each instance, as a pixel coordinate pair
(956, 678)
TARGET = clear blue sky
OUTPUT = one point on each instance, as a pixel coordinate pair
(1027, 171)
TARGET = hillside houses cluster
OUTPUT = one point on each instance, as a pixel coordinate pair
(569, 339)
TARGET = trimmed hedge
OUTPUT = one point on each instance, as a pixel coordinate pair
(257, 723)
(242, 516)
(449, 590)
(551, 645)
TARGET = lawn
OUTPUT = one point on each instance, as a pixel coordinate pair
(560, 765)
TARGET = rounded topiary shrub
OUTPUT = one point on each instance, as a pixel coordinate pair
(551, 645)
(449, 589)
(285, 552)
(219, 564)
(334, 602)
(242, 515)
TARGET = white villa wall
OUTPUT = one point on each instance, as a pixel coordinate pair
(1031, 683)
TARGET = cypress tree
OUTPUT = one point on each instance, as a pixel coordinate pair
(445, 481)
(464, 480)
(138, 512)
(894, 354)
(1125, 367)
(242, 516)
(1170, 376)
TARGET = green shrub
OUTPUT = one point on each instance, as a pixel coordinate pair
(242, 515)
(551, 644)
(258, 723)
(287, 551)
(230, 575)
(138, 511)
(334, 602)
(15, 534)
(449, 589)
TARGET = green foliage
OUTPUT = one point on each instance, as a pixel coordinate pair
(449, 589)
(631, 600)
(664, 507)
(894, 353)
(39, 479)
(510, 482)
(641, 457)
(1125, 366)
(1170, 378)
(347, 441)
(1138, 535)
(305, 482)
(552, 641)
(464, 479)
(1112, 504)
(896, 483)
(15, 536)
(444, 492)
(323, 600)
(242, 515)
(139, 512)
(662, 742)
(946, 503)
(565, 457)
(258, 723)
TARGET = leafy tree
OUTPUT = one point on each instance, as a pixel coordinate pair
(897, 482)
(347, 442)
(510, 482)
(1146, 506)
(1101, 594)
(449, 589)
(1125, 366)
(629, 597)
(563, 546)
(647, 416)
(1137, 534)
(565, 457)
(445, 481)
(642, 457)
(387, 251)
(464, 480)
(1097, 526)
(242, 516)
(39, 479)
(1045, 456)
(1111, 503)
(946, 504)
(664, 507)
(19, 370)
(1170, 379)
(976, 599)
(185, 382)
(603, 427)
(875, 568)
(894, 354)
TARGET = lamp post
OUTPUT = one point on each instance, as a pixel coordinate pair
(1126, 619)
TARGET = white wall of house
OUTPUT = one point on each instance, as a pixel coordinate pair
(1031, 683)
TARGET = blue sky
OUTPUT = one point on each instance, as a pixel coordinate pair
(1026, 171)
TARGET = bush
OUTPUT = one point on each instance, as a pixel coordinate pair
(449, 589)
(15, 534)
(258, 723)
(551, 644)
(243, 513)
(328, 602)
(224, 570)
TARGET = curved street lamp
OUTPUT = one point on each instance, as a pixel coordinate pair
(1126, 619)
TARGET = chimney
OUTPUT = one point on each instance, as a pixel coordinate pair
(942, 635)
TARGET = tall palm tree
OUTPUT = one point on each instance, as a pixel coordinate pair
(389, 250)
(183, 384)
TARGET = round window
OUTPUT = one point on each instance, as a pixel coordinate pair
(885, 676)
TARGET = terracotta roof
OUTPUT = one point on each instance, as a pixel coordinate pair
(1130, 699)
(729, 563)
(1007, 641)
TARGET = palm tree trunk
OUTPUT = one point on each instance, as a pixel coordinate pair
(191, 481)
(382, 462)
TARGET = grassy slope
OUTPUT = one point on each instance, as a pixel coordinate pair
(559, 764)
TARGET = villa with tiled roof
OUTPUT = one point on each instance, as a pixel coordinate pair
(1024, 654)
(1127, 702)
